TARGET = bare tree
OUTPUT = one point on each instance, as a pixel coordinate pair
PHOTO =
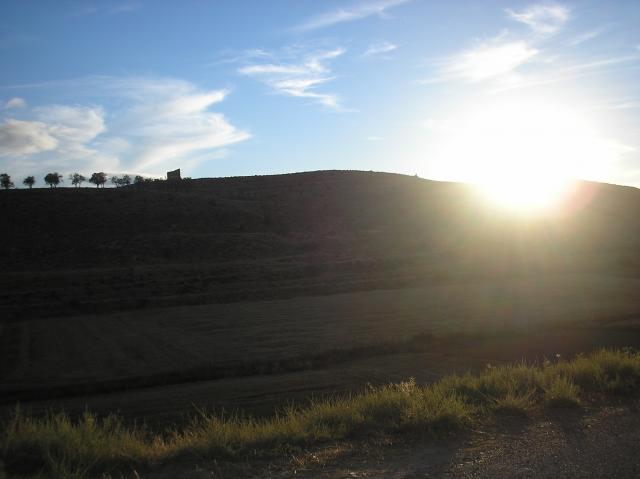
(138, 180)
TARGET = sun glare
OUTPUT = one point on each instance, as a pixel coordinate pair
(521, 155)
(524, 195)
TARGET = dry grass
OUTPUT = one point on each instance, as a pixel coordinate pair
(59, 447)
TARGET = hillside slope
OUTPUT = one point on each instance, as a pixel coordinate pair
(228, 239)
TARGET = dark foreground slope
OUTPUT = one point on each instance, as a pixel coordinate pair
(70, 251)
(316, 436)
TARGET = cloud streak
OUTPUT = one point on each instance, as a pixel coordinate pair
(490, 61)
(569, 72)
(500, 61)
(15, 103)
(379, 49)
(494, 59)
(357, 11)
(544, 19)
(299, 78)
(589, 35)
(115, 9)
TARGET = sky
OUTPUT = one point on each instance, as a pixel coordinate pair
(455, 90)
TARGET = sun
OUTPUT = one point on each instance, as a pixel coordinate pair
(525, 195)
(522, 155)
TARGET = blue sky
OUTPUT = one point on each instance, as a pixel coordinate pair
(445, 90)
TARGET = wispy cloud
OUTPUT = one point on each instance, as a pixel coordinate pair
(623, 104)
(157, 123)
(15, 103)
(379, 49)
(589, 35)
(300, 77)
(570, 72)
(542, 18)
(500, 60)
(488, 60)
(354, 12)
(107, 8)
(230, 56)
(273, 69)
(125, 7)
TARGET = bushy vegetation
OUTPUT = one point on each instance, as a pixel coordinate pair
(77, 179)
(58, 446)
(29, 181)
(55, 178)
(5, 181)
(118, 181)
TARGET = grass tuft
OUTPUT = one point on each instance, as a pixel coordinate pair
(513, 405)
(562, 393)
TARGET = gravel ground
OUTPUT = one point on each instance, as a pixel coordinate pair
(597, 441)
(600, 443)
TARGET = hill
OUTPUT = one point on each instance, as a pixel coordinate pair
(250, 293)
(71, 251)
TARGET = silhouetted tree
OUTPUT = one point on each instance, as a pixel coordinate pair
(98, 179)
(53, 179)
(138, 180)
(29, 181)
(5, 181)
(124, 180)
(77, 179)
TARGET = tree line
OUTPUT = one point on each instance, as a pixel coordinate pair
(54, 179)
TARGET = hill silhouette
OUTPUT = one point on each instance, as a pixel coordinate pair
(228, 239)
